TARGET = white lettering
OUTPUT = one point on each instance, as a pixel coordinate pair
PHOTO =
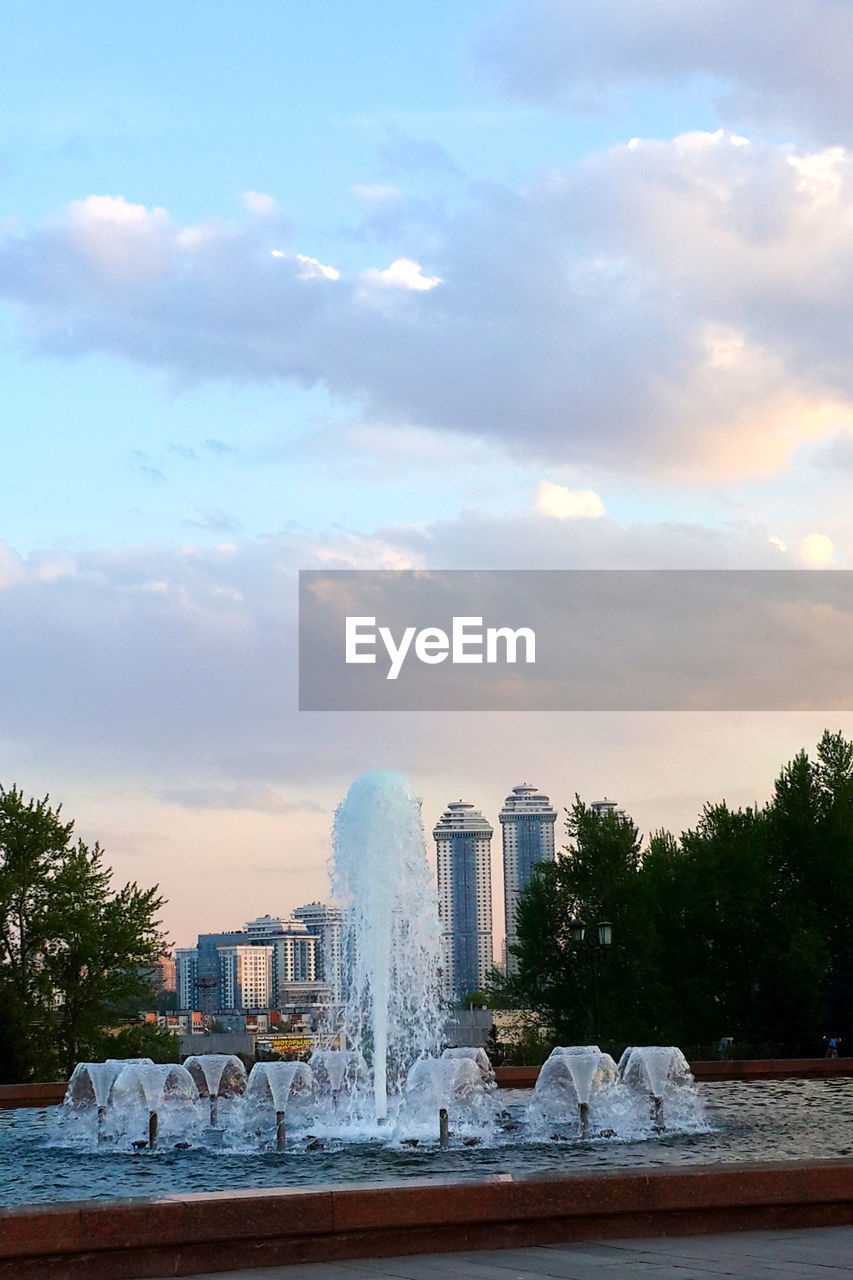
(493, 634)
(432, 645)
(354, 640)
(396, 653)
(461, 637)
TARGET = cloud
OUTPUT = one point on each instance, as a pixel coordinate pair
(402, 153)
(403, 273)
(258, 202)
(568, 504)
(214, 519)
(262, 799)
(679, 308)
(783, 67)
(314, 270)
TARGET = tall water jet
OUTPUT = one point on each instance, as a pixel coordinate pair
(381, 879)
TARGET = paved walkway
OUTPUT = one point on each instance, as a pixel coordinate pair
(824, 1253)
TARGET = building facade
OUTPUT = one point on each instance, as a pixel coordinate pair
(186, 977)
(294, 953)
(527, 824)
(464, 866)
(325, 923)
(245, 977)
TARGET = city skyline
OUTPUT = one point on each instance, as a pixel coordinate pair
(499, 285)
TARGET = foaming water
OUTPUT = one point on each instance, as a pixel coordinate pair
(391, 944)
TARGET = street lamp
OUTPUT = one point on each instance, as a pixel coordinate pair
(577, 930)
(577, 933)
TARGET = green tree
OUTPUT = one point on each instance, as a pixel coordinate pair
(141, 1040)
(75, 953)
(742, 926)
(578, 989)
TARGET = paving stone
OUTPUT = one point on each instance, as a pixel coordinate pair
(823, 1253)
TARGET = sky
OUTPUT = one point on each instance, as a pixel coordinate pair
(481, 285)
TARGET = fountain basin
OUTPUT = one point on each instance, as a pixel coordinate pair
(222, 1231)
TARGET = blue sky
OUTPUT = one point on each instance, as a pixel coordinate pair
(399, 285)
(187, 107)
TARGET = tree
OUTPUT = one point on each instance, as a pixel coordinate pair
(742, 926)
(73, 950)
(142, 1040)
(577, 991)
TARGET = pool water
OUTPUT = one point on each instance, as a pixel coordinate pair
(762, 1120)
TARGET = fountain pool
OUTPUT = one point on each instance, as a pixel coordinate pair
(764, 1120)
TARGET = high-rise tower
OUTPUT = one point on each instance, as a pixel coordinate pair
(527, 821)
(463, 853)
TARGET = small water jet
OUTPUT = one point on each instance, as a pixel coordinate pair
(217, 1075)
(476, 1054)
(575, 1080)
(337, 1071)
(451, 1089)
(158, 1089)
(283, 1085)
(662, 1074)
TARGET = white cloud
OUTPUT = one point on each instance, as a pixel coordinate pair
(679, 308)
(314, 270)
(817, 551)
(122, 244)
(568, 504)
(259, 202)
(403, 273)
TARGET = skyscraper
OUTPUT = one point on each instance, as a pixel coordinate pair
(605, 806)
(464, 863)
(325, 923)
(527, 822)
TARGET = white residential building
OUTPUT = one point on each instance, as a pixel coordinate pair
(246, 976)
(527, 823)
(464, 865)
(186, 977)
(325, 923)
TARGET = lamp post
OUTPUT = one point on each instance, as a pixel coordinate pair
(604, 939)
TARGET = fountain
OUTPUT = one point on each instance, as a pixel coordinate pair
(662, 1073)
(478, 1055)
(281, 1084)
(393, 1084)
(572, 1081)
(337, 1071)
(90, 1084)
(381, 879)
(451, 1089)
(155, 1088)
(217, 1075)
